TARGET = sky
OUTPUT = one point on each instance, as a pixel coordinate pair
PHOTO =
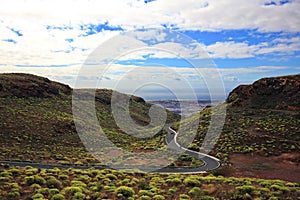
(157, 49)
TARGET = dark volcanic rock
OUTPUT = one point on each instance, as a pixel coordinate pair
(269, 93)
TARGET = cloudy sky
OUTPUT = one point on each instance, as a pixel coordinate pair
(244, 41)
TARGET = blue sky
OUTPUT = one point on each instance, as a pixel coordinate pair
(245, 40)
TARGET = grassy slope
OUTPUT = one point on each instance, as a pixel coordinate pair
(36, 121)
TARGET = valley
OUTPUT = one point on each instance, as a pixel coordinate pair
(257, 146)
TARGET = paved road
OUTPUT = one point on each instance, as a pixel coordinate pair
(210, 163)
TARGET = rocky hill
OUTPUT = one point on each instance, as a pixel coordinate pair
(280, 93)
(36, 120)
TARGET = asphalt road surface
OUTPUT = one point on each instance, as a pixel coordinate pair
(210, 162)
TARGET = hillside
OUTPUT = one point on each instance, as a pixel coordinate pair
(261, 143)
(268, 93)
(40, 127)
(28, 85)
(261, 136)
(36, 121)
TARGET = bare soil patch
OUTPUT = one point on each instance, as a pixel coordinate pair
(285, 167)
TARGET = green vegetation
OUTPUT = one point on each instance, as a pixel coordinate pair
(37, 125)
(102, 184)
(41, 126)
(266, 132)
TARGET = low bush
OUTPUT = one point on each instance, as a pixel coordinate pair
(13, 195)
(190, 181)
(53, 183)
(125, 191)
(37, 196)
(35, 187)
(184, 197)
(53, 191)
(159, 197)
(195, 191)
(144, 197)
(174, 180)
(58, 197)
(72, 190)
(145, 192)
(78, 196)
(206, 198)
(245, 189)
(35, 179)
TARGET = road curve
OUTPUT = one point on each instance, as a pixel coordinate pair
(210, 162)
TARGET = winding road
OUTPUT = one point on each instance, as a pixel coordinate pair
(210, 162)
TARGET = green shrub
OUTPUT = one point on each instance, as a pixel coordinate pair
(111, 176)
(125, 191)
(84, 178)
(265, 184)
(58, 197)
(206, 198)
(13, 195)
(185, 157)
(195, 191)
(35, 179)
(174, 180)
(78, 184)
(273, 198)
(72, 190)
(53, 183)
(96, 186)
(144, 197)
(145, 192)
(289, 184)
(31, 171)
(245, 189)
(15, 172)
(37, 196)
(247, 196)
(78, 196)
(63, 177)
(44, 191)
(143, 185)
(35, 187)
(184, 196)
(279, 188)
(190, 181)
(53, 191)
(29, 180)
(158, 197)
(172, 191)
(109, 188)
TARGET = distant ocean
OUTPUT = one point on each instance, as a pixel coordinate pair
(185, 107)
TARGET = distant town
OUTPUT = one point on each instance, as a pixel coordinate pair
(184, 107)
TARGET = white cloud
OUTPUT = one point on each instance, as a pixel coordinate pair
(190, 14)
(279, 46)
(40, 45)
(231, 50)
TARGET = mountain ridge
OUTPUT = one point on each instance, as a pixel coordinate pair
(281, 93)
